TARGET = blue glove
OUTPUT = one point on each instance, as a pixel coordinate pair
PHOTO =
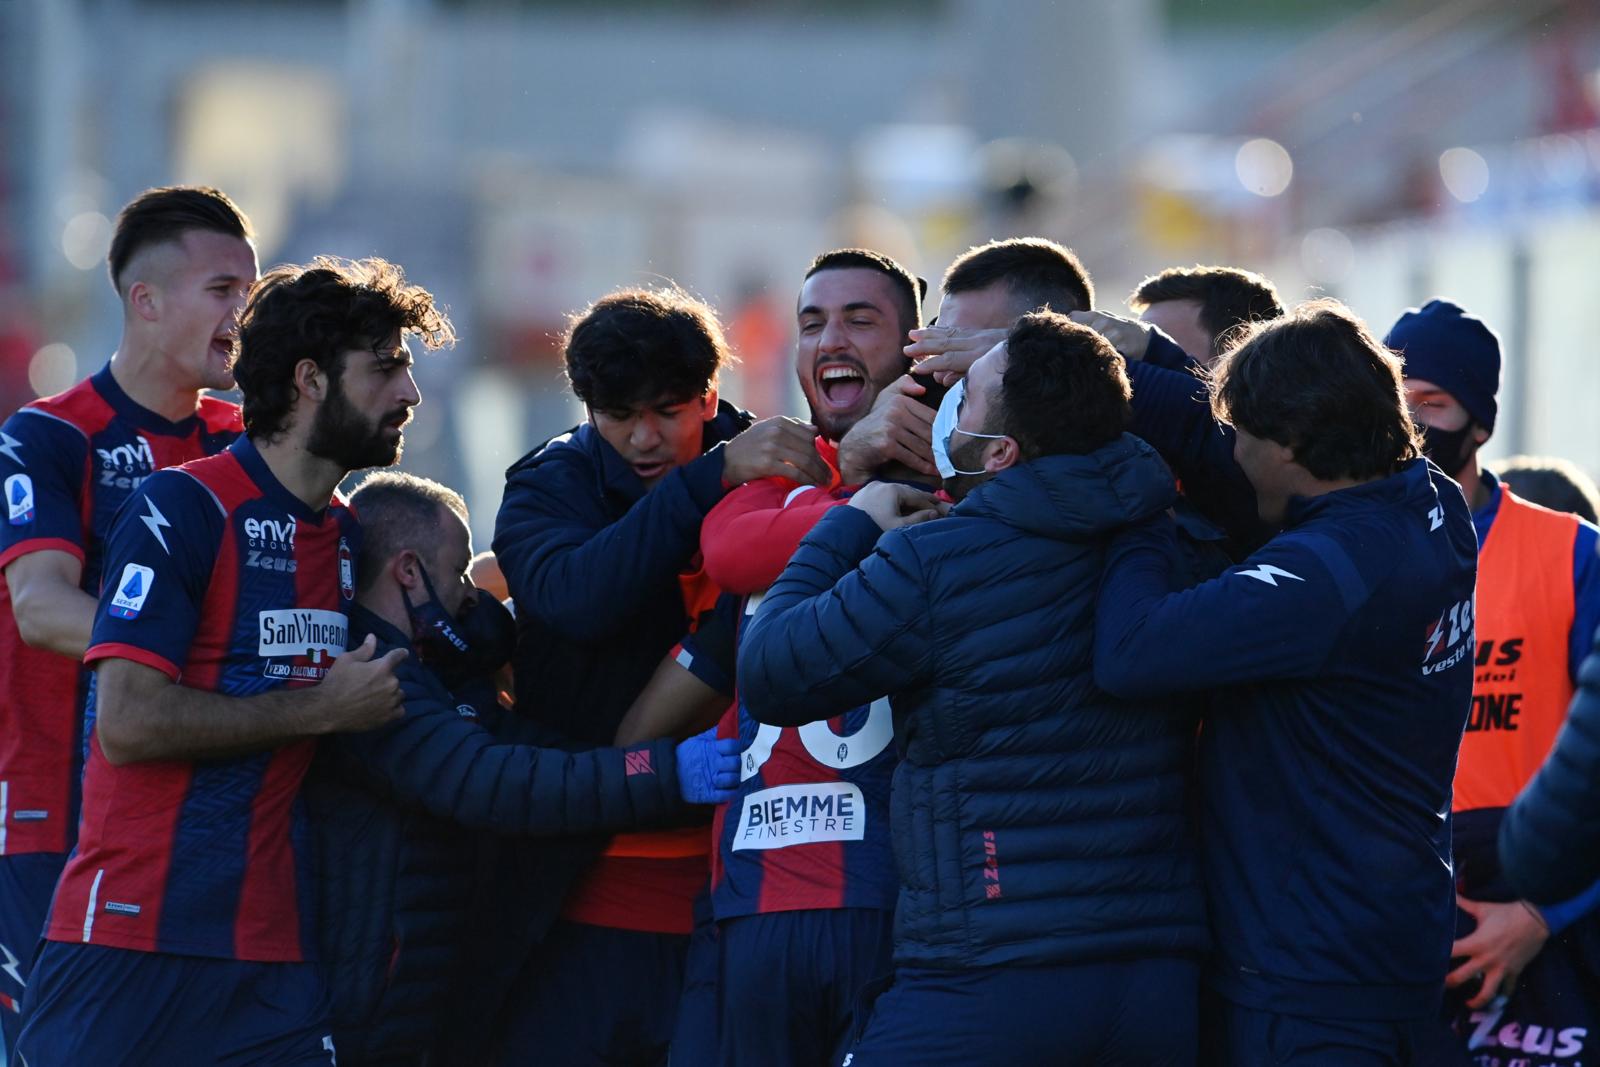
(708, 768)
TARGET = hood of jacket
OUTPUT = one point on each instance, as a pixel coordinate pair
(1077, 497)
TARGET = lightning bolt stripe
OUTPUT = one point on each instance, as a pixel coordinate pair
(1269, 574)
(8, 448)
(157, 522)
(11, 967)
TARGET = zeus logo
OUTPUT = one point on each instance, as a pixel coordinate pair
(8, 448)
(1459, 618)
(157, 522)
(1269, 574)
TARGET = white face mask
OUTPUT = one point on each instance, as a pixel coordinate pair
(944, 424)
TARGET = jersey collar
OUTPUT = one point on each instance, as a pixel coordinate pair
(124, 405)
(244, 450)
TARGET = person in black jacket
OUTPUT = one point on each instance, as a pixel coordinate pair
(598, 536)
(1049, 908)
(1339, 658)
(396, 809)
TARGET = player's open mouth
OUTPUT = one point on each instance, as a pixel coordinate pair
(646, 471)
(840, 386)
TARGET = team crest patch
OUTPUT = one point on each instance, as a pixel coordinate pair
(132, 588)
(347, 571)
(19, 499)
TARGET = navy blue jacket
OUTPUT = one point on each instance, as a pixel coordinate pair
(1035, 819)
(1172, 411)
(1340, 661)
(592, 560)
(395, 810)
(1550, 838)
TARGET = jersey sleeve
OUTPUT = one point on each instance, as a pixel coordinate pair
(748, 538)
(42, 470)
(158, 566)
(1276, 616)
(710, 652)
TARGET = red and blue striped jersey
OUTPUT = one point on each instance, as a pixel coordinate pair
(221, 578)
(67, 463)
(810, 827)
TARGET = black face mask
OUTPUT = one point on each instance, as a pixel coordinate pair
(465, 647)
(1449, 449)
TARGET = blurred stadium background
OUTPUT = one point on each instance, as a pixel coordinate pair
(521, 157)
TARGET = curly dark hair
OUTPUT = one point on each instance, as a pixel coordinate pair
(635, 346)
(1065, 389)
(1039, 273)
(1229, 299)
(164, 214)
(321, 311)
(1318, 381)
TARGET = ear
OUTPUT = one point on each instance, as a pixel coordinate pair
(1281, 454)
(710, 411)
(1480, 433)
(310, 381)
(405, 568)
(144, 301)
(1002, 453)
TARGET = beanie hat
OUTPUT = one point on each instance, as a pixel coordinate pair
(1442, 344)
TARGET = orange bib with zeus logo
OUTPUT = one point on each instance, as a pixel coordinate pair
(1522, 684)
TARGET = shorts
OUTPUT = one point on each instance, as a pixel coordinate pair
(1137, 1013)
(27, 882)
(791, 980)
(595, 995)
(92, 1004)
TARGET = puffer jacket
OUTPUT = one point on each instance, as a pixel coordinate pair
(413, 823)
(1036, 820)
(593, 560)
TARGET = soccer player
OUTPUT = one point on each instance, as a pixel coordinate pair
(1339, 662)
(181, 262)
(1203, 308)
(1538, 606)
(181, 930)
(805, 912)
(598, 536)
(986, 290)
